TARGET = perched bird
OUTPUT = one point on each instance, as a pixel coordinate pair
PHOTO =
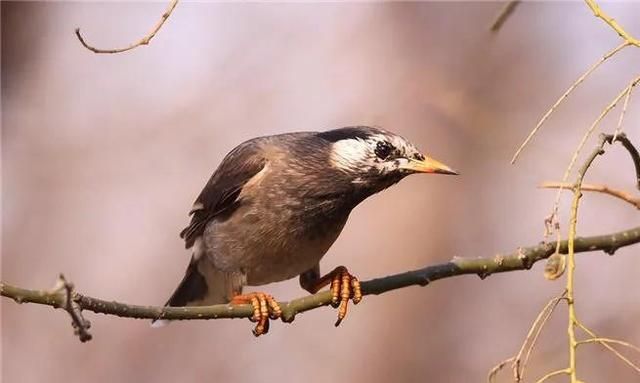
(276, 204)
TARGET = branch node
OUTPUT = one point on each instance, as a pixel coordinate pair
(484, 273)
(80, 324)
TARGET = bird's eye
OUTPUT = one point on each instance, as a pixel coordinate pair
(383, 149)
(418, 157)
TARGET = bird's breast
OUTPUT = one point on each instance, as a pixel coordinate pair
(274, 236)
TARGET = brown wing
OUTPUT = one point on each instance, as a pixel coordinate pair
(222, 191)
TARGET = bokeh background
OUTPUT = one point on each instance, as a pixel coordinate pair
(102, 156)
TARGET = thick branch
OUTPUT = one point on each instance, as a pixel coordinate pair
(522, 259)
(143, 41)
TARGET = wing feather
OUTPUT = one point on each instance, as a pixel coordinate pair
(221, 192)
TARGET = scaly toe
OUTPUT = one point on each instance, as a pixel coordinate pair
(349, 288)
(264, 308)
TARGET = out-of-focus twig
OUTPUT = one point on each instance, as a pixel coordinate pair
(621, 194)
(143, 41)
(605, 343)
(505, 12)
(627, 97)
(529, 343)
(583, 141)
(564, 371)
(566, 94)
(518, 364)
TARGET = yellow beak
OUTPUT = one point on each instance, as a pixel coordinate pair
(428, 165)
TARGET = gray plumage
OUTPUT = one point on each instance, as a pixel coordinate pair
(276, 204)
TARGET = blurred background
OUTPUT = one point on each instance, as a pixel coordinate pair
(103, 155)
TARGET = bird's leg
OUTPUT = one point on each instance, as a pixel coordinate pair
(344, 286)
(264, 308)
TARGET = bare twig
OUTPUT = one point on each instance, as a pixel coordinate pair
(532, 337)
(80, 325)
(584, 139)
(621, 194)
(610, 341)
(503, 15)
(550, 375)
(627, 97)
(598, 12)
(491, 377)
(518, 365)
(565, 95)
(143, 41)
(606, 345)
(571, 263)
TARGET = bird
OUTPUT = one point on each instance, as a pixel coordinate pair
(274, 207)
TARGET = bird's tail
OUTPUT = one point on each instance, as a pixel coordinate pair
(202, 285)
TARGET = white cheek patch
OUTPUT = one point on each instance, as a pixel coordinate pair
(350, 154)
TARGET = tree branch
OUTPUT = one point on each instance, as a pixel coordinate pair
(143, 41)
(604, 189)
(503, 15)
(521, 259)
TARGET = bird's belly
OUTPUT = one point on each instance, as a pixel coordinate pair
(269, 247)
(276, 265)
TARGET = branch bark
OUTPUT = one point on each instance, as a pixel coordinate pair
(521, 259)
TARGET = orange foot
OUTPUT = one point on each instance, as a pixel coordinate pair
(344, 286)
(264, 308)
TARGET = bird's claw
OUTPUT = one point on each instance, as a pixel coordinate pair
(344, 286)
(265, 307)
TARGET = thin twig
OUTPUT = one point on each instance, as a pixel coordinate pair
(627, 97)
(536, 327)
(564, 371)
(606, 345)
(584, 139)
(571, 263)
(491, 377)
(564, 96)
(143, 41)
(532, 336)
(598, 12)
(611, 341)
(503, 15)
(621, 194)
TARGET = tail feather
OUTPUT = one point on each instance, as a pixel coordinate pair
(193, 287)
(202, 285)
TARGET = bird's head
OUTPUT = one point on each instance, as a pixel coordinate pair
(376, 159)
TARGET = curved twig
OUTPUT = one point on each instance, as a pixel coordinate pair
(143, 41)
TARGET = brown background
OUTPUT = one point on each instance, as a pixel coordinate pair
(103, 155)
